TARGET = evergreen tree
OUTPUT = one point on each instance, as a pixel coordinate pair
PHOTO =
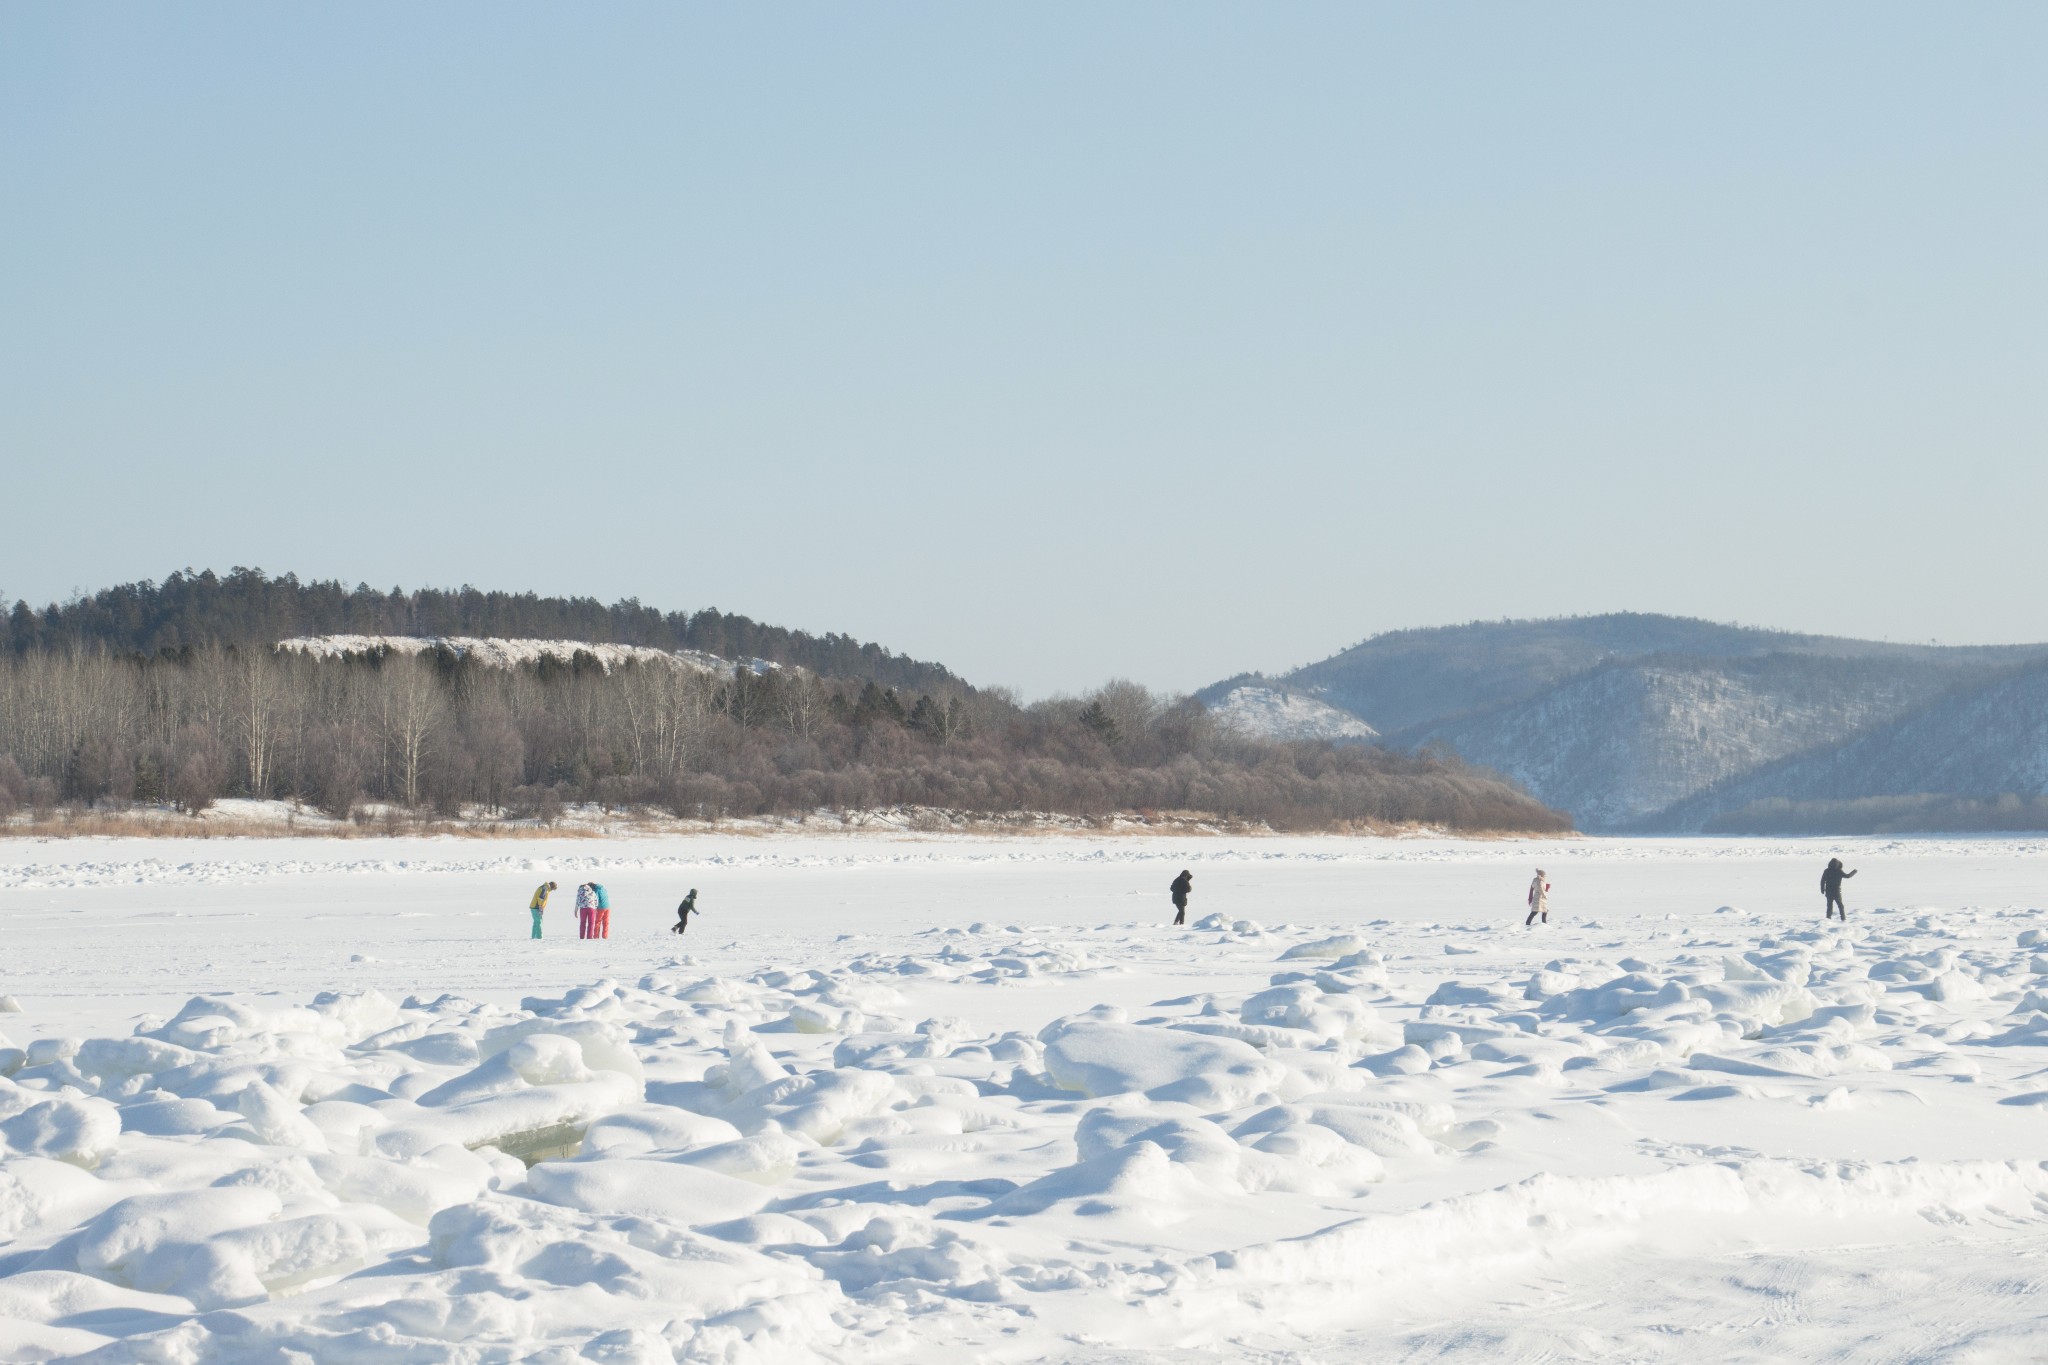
(928, 718)
(877, 703)
(1097, 720)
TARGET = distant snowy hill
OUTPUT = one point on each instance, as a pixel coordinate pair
(1274, 713)
(1986, 741)
(495, 653)
(1623, 720)
(1409, 678)
(1621, 742)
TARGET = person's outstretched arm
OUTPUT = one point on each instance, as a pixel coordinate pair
(1848, 874)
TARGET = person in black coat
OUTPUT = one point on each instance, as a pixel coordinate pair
(1182, 885)
(683, 913)
(1831, 888)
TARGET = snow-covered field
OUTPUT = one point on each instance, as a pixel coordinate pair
(951, 1100)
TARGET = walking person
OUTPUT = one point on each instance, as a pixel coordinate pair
(586, 909)
(1831, 889)
(1539, 900)
(1182, 886)
(683, 913)
(601, 917)
(539, 903)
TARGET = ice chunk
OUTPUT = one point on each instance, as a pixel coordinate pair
(1338, 946)
(631, 1186)
(767, 1157)
(1113, 1059)
(277, 1121)
(154, 1242)
(110, 1060)
(1307, 1008)
(74, 1128)
(654, 1127)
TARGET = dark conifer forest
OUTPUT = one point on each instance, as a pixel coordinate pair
(175, 695)
(246, 606)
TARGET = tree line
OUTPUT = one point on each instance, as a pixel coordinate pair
(1919, 813)
(191, 609)
(442, 733)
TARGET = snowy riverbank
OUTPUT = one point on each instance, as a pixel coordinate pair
(944, 1099)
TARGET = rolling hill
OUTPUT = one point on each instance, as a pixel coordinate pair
(1623, 720)
(1986, 743)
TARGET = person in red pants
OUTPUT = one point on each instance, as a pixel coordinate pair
(601, 921)
(586, 909)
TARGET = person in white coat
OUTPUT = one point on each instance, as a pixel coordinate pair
(1539, 900)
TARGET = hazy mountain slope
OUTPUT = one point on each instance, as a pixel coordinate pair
(1986, 740)
(1410, 678)
(1617, 718)
(1626, 740)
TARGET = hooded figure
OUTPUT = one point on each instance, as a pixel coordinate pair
(586, 909)
(683, 913)
(539, 903)
(1539, 900)
(1182, 885)
(1831, 890)
(601, 917)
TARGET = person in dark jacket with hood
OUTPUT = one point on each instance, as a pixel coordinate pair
(1831, 887)
(1182, 885)
(683, 913)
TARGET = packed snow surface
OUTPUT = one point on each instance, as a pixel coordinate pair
(947, 1099)
(499, 653)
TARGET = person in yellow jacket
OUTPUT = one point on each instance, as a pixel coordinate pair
(539, 903)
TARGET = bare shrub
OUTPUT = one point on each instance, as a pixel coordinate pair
(13, 786)
(539, 803)
(198, 770)
(337, 759)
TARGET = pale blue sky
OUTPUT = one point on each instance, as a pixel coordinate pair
(1053, 342)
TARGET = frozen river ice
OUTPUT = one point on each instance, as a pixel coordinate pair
(943, 1099)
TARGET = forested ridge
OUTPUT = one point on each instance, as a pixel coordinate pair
(246, 606)
(177, 696)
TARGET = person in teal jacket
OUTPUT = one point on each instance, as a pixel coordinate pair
(603, 926)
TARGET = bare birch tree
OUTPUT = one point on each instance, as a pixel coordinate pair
(414, 710)
(260, 692)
